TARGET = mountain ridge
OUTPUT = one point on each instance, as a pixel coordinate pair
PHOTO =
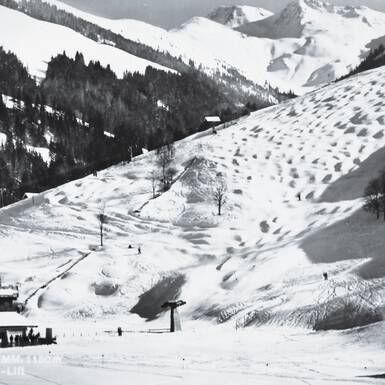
(237, 15)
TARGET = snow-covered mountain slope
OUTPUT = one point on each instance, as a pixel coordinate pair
(331, 39)
(260, 263)
(308, 44)
(237, 15)
(35, 42)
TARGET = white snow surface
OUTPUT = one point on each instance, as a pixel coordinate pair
(40, 41)
(44, 152)
(3, 139)
(308, 44)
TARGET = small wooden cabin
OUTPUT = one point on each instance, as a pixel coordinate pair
(211, 122)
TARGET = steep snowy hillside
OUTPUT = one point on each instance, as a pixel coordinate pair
(238, 15)
(39, 41)
(308, 44)
(260, 263)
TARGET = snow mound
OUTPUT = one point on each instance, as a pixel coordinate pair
(105, 287)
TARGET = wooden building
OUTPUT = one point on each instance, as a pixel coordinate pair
(11, 325)
(211, 122)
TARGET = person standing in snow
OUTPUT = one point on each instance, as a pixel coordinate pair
(299, 196)
(139, 250)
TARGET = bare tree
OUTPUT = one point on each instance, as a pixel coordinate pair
(372, 196)
(102, 219)
(381, 182)
(170, 175)
(165, 157)
(219, 191)
(154, 176)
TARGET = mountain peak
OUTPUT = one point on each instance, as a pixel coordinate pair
(300, 15)
(325, 6)
(237, 15)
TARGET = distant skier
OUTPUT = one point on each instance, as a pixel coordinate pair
(119, 331)
(130, 246)
(325, 275)
(139, 250)
(299, 196)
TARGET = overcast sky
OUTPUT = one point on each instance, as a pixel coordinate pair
(171, 13)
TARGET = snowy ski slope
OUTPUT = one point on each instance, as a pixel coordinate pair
(253, 257)
(260, 264)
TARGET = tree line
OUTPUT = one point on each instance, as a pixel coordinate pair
(375, 59)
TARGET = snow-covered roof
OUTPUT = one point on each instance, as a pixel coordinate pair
(108, 134)
(13, 319)
(213, 119)
(8, 293)
(30, 195)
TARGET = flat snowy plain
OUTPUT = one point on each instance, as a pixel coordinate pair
(204, 355)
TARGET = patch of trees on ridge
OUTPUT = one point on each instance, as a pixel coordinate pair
(30, 123)
(47, 12)
(147, 110)
(375, 59)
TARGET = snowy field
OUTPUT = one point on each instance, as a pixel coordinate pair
(204, 357)
(252, 278)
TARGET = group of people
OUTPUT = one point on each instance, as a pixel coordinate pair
(24, 339)
(139, 249)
